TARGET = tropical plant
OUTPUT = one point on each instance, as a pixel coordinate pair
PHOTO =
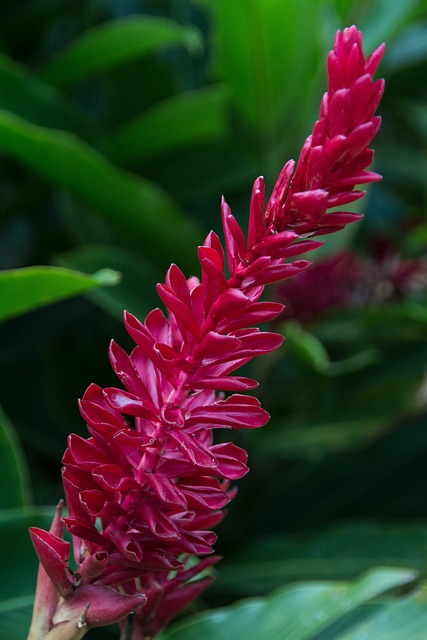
(119, 127)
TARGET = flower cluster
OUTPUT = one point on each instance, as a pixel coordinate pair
(148, 486)
(353, 282)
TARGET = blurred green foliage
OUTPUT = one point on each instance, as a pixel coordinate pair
(121, 123)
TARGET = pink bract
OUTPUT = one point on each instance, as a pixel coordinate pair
(145, 490)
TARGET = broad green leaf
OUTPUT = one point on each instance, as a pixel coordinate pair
(340, 552)
(23, 94)
(14, 484)
(22, 290)
(308, 347)
(136, 291)
(384, 20)
(19, 566)
(378, 20)
(297, 612)
(371, 390)
(417, 241)
(15, 617)
(188, 118)
(408, 311)
(114, 43)
(310, 350)
(402, 619)
(397, 162)
(415, 114)
(296, 439)
(409, 49)
(344, 8)
(268, 70)
(17, 556)
(198, 174)
(134, 206)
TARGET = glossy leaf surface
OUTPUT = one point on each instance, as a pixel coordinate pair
(29, 288)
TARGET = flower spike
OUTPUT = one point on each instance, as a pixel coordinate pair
(146, 488)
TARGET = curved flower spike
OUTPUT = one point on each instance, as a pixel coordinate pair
(145, 490)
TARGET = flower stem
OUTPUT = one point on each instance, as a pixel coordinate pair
(127, 629)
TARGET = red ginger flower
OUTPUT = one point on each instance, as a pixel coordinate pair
(145, 490)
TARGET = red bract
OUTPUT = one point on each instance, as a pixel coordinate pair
(145, 490)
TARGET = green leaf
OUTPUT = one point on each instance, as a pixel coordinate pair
(340, 552)
(310, 350)
(269, 72)
(23, 94)
(15, 617)
(22, 290)
(391, 620)
(19, 568)
(384, 20)
(15, 620)
(417, 240)
(134, 206)
(136, 291)
(17, 556)
(14, 481)
(307, 346)
(192, 117)
(377, 390)
(314, 440)
(114, 43)
(297, 612)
